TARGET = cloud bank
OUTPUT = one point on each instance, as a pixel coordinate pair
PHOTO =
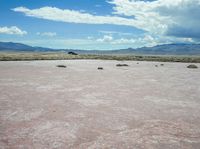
(180, 18)
(71, 16)
(13, 30)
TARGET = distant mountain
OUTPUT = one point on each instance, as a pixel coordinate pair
(14, 46)
(11, 46)
(172, 49)
(166, 49)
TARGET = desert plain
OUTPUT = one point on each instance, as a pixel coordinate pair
(135, 107)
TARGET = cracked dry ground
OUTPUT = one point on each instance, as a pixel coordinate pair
(139, 107)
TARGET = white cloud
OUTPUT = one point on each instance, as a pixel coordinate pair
(145, 40)
(115, 32)
(71, 16)
(165, 21)
(90, 38)
(47, 34)
(180, 18)
(13, 30)
(106, 38)
(142, 41)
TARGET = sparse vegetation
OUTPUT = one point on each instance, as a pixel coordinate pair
(192, 66)
(21, 56)
(121, 65)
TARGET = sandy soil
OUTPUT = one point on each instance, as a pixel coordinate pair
(137, 107)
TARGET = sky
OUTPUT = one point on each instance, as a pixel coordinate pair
(99, 24)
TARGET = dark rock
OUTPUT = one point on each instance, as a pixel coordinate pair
(100, 68)
(121, 65)
(61, 66)
(192, 66)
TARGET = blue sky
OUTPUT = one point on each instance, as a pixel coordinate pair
(99, 24)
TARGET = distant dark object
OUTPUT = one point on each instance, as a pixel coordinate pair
(121, 65)
(161, 64)
(137, 63)
(72, 53)
(61, 66)
(192, 66)
(100, 68)
(156, 65)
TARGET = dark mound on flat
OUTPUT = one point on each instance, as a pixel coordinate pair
(121, 65)
(61, 66)
(100, 68)
(192, 66)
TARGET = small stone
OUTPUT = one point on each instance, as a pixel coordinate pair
(100, 68)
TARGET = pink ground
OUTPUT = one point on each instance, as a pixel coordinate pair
(137, 107)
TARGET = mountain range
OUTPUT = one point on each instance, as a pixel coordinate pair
(165, 49)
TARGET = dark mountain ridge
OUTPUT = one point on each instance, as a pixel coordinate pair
(165, 49)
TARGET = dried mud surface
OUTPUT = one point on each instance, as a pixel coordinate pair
(138, 107)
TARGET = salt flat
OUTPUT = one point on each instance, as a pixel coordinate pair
(137, 107)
